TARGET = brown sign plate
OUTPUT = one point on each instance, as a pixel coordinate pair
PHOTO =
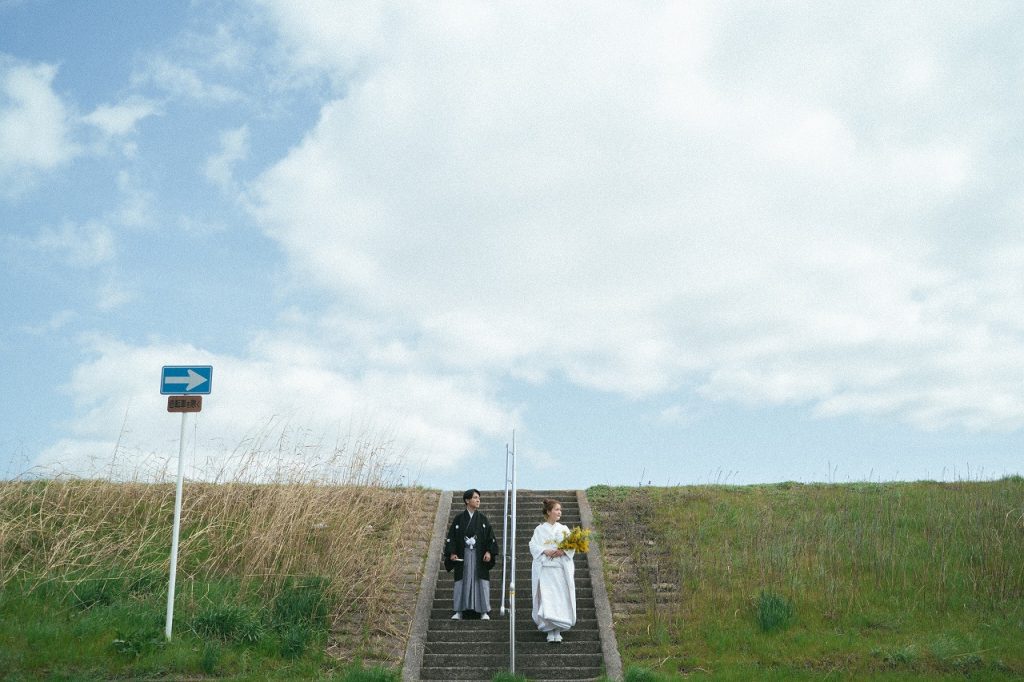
(184, 403)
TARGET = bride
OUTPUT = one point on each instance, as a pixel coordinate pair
(554, 589)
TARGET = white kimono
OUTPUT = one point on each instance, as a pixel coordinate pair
(554, 589)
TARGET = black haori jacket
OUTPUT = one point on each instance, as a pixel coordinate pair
(455, 543)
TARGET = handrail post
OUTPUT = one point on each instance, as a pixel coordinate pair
(512, 588)
(504, 536)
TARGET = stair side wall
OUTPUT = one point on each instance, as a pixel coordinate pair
(609, 644)
(418, 628)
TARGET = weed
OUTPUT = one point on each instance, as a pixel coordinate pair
(210, 658)
(96, 592)
(294, 641)
(228, 622)
(774, 611)
(137, 641)
(301, 603)
(903, 657)
(640, 674)
(371, 675)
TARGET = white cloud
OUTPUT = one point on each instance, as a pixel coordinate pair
(677, 414)
(234, 148)
(603, 195)
(83, 245)
(57, 321)
(185, 83)
(34, 121)
(113, 294)
(120, 119)
(348, 35)
(135, 210)
(297, 390)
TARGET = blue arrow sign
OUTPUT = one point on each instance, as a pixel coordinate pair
(186, 379)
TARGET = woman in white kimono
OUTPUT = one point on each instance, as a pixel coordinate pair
(553, 573)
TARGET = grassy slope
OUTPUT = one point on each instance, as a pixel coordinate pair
(891, 581)
(896, 581)
(263, 572)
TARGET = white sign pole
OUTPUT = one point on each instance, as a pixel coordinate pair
(177, 524)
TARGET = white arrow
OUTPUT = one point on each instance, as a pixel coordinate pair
(191, 381)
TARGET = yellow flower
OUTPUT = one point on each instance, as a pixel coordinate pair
(576, 539)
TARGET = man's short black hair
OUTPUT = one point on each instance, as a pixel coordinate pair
(468, 495)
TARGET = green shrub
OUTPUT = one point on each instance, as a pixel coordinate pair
(294, 641)
(210, 658)
(301, 603)
(904, 657)
(96, 592)
(134, 642)
(773, 611)
(228, 622)
(145, 583)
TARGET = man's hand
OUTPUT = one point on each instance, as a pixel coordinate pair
(454, 557)
(487, 556)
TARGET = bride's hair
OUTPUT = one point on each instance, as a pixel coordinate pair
(549, 504)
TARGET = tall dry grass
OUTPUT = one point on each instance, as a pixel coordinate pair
(858, 579)
(931, 547)
(281, 507)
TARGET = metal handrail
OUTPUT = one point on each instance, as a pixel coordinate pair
(510, 454)
(504, 535)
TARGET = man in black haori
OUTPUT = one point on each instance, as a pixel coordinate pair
(470, 549)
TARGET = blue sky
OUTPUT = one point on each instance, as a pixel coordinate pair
(668, 243)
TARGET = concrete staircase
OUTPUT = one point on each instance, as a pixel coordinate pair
(477, 649)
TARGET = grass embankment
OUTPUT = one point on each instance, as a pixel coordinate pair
(860, 581)
(264, 571)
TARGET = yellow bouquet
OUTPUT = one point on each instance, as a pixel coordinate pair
(577, 539)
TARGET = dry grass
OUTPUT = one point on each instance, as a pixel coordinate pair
(279, 509)
(844, 578)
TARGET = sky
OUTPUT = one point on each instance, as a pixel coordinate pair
(661, 243)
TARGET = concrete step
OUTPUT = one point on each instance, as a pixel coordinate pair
(583, 626)
(524, 527)
(446, 581)
(522, 613)
(551, 657)
(583, 610)
(522, 668)
(446, 594)
(522, 574)
(526, 634)
(523, 646)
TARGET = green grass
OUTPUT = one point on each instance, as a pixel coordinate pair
(902, 581)
(50, 633)
(264, 571)
(45, 637)
(861, 581)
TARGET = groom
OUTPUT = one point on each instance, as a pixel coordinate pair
(470, 549)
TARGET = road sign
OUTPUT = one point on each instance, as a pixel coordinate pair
(186, 380)
(186, 385)
(185, 403)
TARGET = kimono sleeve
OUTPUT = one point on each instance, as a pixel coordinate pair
(489, 543)
(450, 547)
(537, 542)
